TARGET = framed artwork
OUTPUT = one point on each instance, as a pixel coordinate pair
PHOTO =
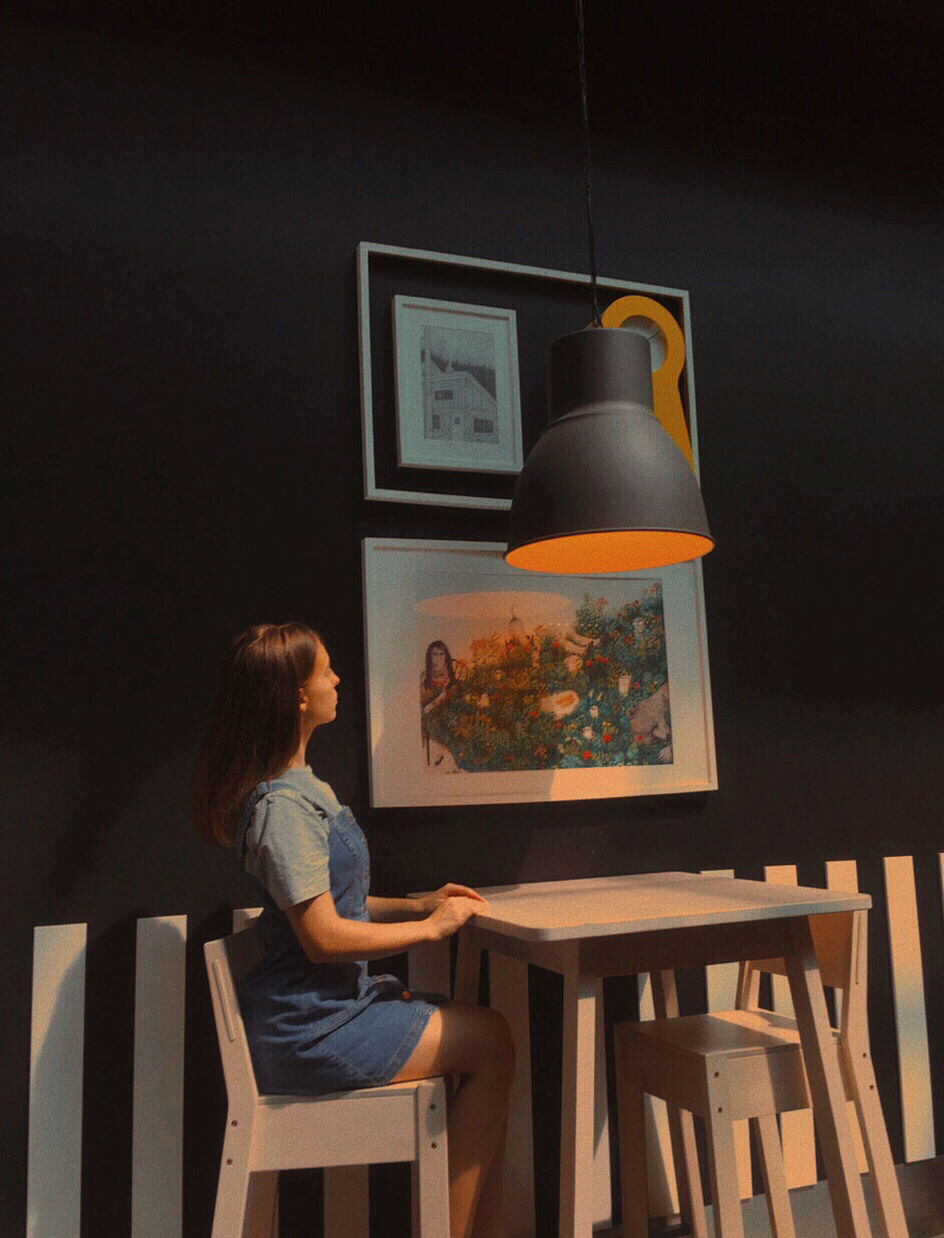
(458, 403)
(515, 309)
(491, 685)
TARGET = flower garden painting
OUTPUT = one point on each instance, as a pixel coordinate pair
(488, 684)
(590, 690)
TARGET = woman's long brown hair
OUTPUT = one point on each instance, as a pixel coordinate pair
(255, 727)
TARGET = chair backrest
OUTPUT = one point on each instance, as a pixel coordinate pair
(840, 940)
(228, 960)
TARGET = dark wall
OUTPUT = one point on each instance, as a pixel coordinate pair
(182, 391)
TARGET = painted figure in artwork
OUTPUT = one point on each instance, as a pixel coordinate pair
(436, 684)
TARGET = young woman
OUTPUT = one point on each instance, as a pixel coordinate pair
(316, 1021)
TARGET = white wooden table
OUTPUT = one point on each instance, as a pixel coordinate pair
(614, 926)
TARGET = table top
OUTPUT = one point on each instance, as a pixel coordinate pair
(648, 902)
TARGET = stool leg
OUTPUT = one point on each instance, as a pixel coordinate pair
(770, 1152)
(722, 1155)
(681, 1125)
(631, 1125)
(687, 1177)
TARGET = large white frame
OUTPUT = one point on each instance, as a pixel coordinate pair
(419, 591)
(368, 249)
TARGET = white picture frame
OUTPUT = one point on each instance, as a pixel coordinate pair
(567, 708)
(456, 375)
(380, 485)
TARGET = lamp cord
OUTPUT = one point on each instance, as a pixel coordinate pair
(588, 186)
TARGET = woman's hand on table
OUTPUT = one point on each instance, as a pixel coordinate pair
(435, 898)
(450, 907)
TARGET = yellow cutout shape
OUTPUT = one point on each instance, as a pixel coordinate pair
(666, 397)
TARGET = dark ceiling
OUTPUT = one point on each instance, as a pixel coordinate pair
(850, 90)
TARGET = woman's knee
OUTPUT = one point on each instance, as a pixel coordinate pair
(489, 1043)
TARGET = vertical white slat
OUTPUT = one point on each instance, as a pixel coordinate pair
(157, 1148)
(57, 1045)
(242, 916)
(843, 875)
(660, 1163)
(914, 1067)
(796, 1128)
(721, 981)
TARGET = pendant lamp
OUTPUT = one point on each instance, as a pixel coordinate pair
(605, 489)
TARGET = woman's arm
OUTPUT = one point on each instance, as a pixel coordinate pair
(385, 910)
(327, 938)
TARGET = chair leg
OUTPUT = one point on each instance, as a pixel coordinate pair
(860, 1078)
(232, 1192)
(631, 1126)
(346, 1202)
(770, 1152)
(431, 1168)
(262, 1207)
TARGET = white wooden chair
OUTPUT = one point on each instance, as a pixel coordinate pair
(343, 1132)
(747, 1063)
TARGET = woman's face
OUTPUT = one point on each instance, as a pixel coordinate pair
(438, 659)
(318, 697)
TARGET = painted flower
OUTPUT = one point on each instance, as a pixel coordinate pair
(588, 755)
(606, 738)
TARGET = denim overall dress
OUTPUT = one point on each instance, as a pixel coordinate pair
(325, 1027)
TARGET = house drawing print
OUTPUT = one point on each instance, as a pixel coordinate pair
(459, 403)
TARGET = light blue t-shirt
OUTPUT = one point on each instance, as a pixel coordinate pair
(284, 836)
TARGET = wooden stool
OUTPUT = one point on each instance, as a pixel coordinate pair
(343, 1132)
(747, 1063)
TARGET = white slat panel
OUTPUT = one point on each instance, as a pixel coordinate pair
(796, 1128)
(843, 875)
(57, 1043)
(242, 916)
(157, 1149)
(914, 1066)
(721, 980)
(663, 1194)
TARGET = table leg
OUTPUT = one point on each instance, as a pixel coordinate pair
(602, 1185)
(429, 967)
(825, 1080)
(577, 1105)
(508, 992)
(468, 963)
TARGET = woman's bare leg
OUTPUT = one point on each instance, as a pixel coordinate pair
(474, 1043)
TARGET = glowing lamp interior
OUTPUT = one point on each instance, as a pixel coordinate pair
(585, 554)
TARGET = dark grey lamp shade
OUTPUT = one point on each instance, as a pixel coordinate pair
(605, 488)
